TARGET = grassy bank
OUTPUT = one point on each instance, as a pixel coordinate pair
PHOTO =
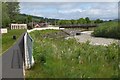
(56, 57)
(7, 39)
(108, 30)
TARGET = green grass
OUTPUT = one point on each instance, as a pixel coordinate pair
(7, 38)
(108, 30)
(56, 57)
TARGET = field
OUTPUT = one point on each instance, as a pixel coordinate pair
(7, 39)
(56, 57)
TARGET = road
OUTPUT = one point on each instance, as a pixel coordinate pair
(12, 61)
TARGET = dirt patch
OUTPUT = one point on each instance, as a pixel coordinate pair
(59, 34)
(86, 36)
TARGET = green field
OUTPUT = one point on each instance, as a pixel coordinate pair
(56, 57)
(7, 38)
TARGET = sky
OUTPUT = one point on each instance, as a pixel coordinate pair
(71, 10)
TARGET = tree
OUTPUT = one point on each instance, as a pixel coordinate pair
(5, 15)
(13, 9)
(82, 21)
(29, 18)
(62, 22)
(87, 20)
(73, 22)
(20, 19)
(9, 12)
(98, 21)
(68, 22)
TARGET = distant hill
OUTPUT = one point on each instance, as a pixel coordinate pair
(26, 18)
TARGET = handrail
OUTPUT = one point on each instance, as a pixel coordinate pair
(78, 26)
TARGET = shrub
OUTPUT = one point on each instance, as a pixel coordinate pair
(108, 30)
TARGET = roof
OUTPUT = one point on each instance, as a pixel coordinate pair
(36, 23)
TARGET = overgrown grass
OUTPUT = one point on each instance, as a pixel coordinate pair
(7, 39)
(56, 57)
(108, 30)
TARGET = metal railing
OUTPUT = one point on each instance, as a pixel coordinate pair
(79, 26)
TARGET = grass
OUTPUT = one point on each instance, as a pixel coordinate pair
(7, 38)
(56, 57)
(108, 30)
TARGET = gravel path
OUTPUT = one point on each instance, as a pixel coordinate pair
(86, 36)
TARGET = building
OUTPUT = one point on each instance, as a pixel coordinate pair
(38, 24)
(18, 26)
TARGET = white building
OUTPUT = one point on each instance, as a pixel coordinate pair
(18, 26)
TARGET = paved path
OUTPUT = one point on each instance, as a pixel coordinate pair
(12, 61)
(44, 28)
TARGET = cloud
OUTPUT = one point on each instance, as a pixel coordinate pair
(68, 0)
(71, 10)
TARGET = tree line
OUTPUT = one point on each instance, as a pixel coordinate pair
(79, 21)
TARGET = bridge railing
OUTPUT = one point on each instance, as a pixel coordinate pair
(79, 26)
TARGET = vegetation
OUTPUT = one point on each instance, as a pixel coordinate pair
(9, 12)
(28, 19)
(56, 57)
(79, 21)
(7, 39)
(98, 21)
(108, 29)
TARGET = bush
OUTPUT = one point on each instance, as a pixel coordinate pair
(108, 30)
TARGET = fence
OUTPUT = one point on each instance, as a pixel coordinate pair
(28, 47)
(79, 26)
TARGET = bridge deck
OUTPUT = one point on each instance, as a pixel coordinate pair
(79, 26)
